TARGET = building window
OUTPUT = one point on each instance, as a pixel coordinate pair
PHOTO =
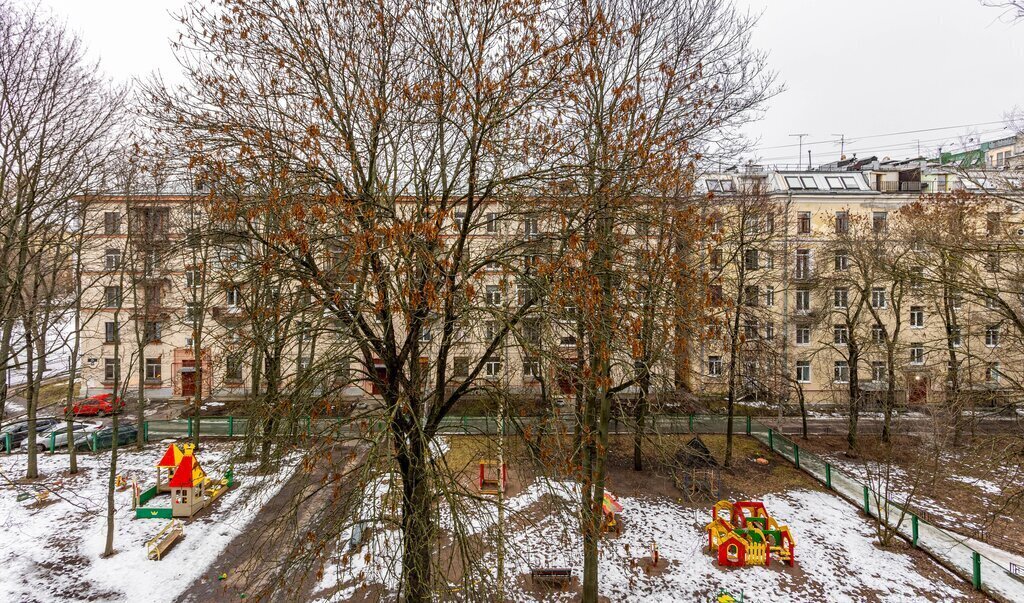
(109, 369)
(879, 221)
(878, 297)
(841, 372)
(750, 329)
(803, 334)
(803, 222)
(492, 267)
(152, 296)
(992, 262)
(491, 222)
(233, 369)
(769, 330)
(492, 367)
(840, 297)
(916, 353)
(153, 370)
(716, 259)
(151, 331)
(769, 295)
(490, 330)
(112, 296)
(531, 227)
(991, 302)
(842, 222)
(992, 336)
(993, 223)
(714, 366)
(304, 363)
(954, 334)
(751, 295)
(750, 259)
(842, 260)
(716, 295)
(803, 300)
(112, 259)
(233, 297)
(531, 366)
(877, 333)
(803, 263)
(803, 371)
(808, 182)
(193, 310)
(840, 334)
(992, 373)
(878, 371)
(111, 223)
(492, 293)
(109, 332)
(150, 262)
(917, 316)
(460, 366)
(917, 278)
(193, 278)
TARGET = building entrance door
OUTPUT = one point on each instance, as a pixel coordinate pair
(188, 378)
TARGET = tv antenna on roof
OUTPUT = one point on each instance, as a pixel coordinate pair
(800, 153)
(842, 145)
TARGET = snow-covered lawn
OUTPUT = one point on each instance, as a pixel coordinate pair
(837, 558)
(52, 549)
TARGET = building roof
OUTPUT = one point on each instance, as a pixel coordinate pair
(171, 458)
(189, 473)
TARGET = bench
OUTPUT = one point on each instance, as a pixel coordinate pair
(167, 536)
(557, 576)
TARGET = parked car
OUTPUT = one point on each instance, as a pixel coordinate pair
(19, 430)
(126, 434)
(59, 433)
(98, 405)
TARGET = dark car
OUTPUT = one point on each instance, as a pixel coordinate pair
(19, 431)
(103, 438)
(98, 405)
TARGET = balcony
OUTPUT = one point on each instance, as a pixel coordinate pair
(900, 187)
(228, 314)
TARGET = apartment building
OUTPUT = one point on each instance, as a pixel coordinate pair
(153, 267)
(820, 295)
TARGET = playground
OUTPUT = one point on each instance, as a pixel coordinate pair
(55, 544)
(660, 551)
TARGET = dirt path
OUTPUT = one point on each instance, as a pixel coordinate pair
(256, 557)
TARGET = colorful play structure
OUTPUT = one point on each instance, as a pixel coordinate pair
(611, 508)
(743, 533)
(179, 473)
(493, 477)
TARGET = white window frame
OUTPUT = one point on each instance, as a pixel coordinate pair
(803, 371)
(841, 372)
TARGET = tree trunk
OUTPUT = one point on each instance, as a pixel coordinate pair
(417, 532)
(854, 391)
(641, 414)
(32, 470)
(108, 548)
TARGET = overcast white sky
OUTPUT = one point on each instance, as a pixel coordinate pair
(862, 68)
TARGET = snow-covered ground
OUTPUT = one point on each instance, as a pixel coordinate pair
(837, 558)
(52, 549)
(963, 524)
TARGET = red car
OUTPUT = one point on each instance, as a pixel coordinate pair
(99, 405)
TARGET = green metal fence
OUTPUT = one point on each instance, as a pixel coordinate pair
(947, 548)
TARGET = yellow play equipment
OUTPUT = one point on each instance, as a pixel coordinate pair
(179, 473)
(749, 536)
